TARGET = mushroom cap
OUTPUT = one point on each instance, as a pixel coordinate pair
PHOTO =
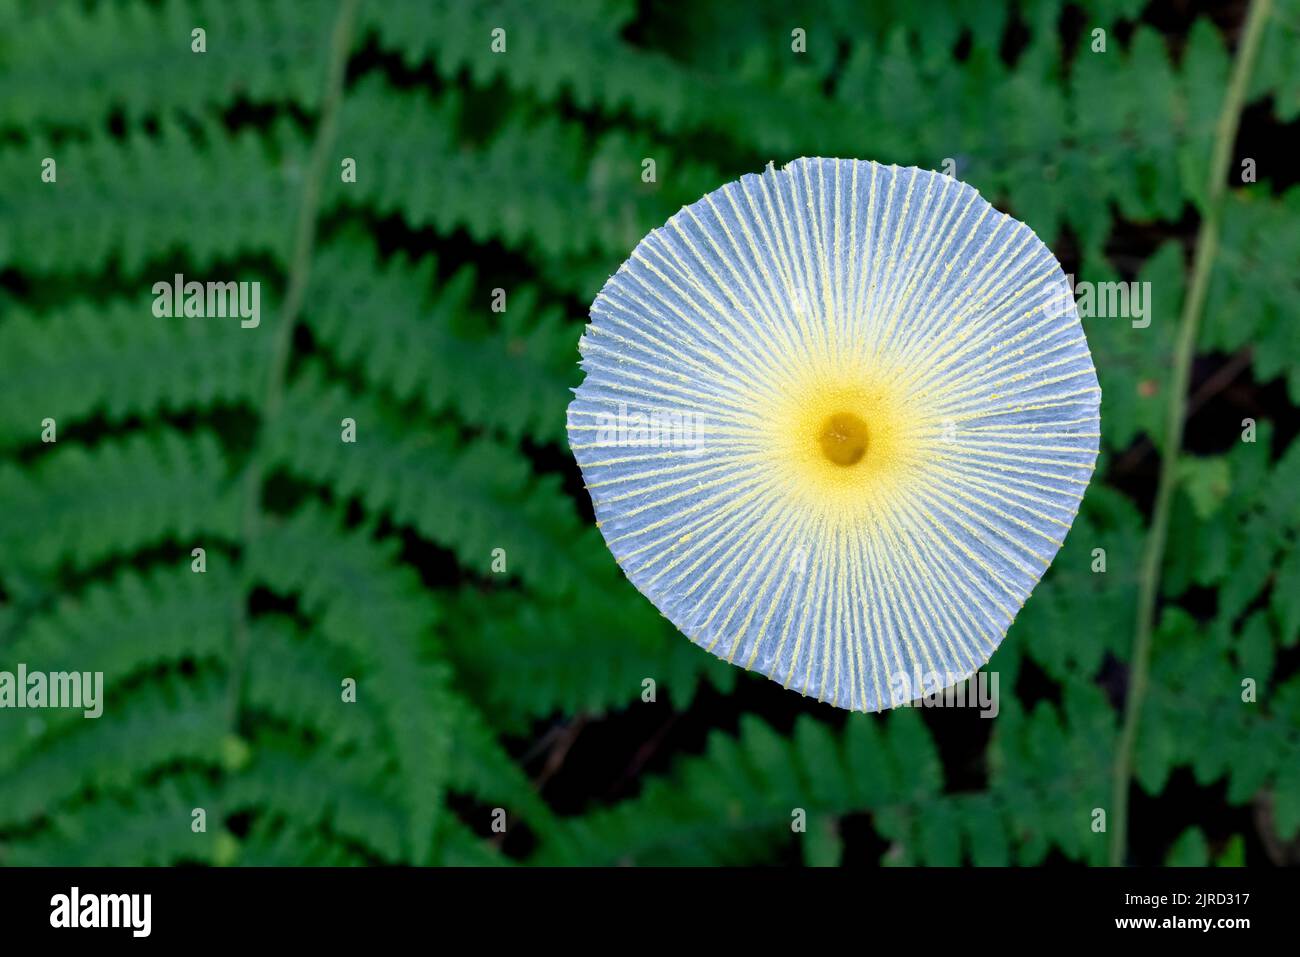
(836, 420)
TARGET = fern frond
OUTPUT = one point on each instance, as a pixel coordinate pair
(312, 701)
(1251, 301)
(378, 610)
(1070, 589)
(181, 612)
(739, 799)
(437, 347)
(1048, 770)
(568, 194)
(412, 475)
(1133, 362)
(79, 505)
(1252, 539)
(458, 846)
(482, 768)
(416, 692)
(117, 359)
(77, 224)
(161, 724)
(553, 50)
(343, 795)
(354, 793)
(260, 50)
(598, 71)
(1009, 150)
(1197, 715)
(151, 826)
(591, 654)
(348, 581)
(184, 616)
(281, 844)
(1279, 61)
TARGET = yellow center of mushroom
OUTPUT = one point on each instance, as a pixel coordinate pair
(843, 438)
(849, 440)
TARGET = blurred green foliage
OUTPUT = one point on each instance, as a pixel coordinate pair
(521, 171)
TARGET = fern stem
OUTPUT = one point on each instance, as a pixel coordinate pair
(299, 273)
(308, 210)
(1207, 243)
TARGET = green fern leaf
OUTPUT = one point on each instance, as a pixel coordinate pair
(79, 506)
(118, 360)
(436, 348)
